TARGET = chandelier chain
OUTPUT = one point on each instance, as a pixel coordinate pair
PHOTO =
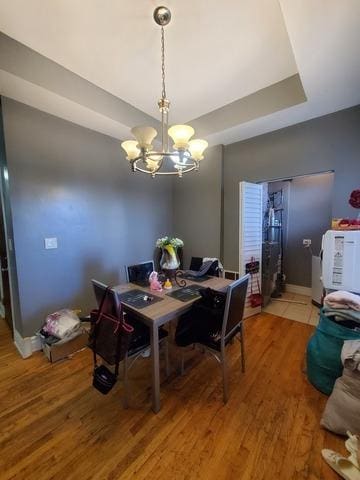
(163, 93)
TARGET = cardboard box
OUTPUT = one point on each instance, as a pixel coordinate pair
(57, 352)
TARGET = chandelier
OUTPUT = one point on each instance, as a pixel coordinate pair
(186, 154)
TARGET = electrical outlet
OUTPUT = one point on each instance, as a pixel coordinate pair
(51, 243)
(306, 242)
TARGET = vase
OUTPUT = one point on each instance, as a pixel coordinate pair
(169, 261)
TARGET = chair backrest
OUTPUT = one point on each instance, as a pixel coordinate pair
(195, 263)
(139, 273)
(110, 303)
(234, 305)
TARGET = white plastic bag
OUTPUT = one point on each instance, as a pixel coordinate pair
(62, 324)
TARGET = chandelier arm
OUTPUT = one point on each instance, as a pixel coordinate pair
(154, 153)
(139, 169)
(184, 169)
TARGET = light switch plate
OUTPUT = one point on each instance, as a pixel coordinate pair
(51, 243)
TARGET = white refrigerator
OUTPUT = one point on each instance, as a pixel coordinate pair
(341, 260)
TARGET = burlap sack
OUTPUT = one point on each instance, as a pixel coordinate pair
(342, 411)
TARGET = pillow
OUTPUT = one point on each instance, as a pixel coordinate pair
(342, 411)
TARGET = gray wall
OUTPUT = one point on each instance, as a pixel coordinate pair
(327, 143)
(197, 208)
(74, 184)
(308, 202)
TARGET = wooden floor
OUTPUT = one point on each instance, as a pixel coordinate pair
(53, 424)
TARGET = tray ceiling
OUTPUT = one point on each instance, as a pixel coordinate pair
(218, 56)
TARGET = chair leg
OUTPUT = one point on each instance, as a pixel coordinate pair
(224, 377)
(182, 366)
(242, 347)
(125, 380)
(167, 364)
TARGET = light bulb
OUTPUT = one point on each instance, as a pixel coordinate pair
(131, 149)
(181, 135)
(144, 136)
(197, 148)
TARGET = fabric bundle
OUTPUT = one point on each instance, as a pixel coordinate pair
(343, 306)
(342, 409)
(343, 300)
(350, 355)
(61, 325)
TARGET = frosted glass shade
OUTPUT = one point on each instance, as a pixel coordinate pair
(131, 149)
(151, 164)
(197, 148)
(181, 135)
(144, 136)
(155, 157)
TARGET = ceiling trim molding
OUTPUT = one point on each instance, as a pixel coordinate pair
(280, 95)
(23, 62)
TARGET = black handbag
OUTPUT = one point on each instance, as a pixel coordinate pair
(103, 379)
(203, 320)
(213, 299)
(110, 338)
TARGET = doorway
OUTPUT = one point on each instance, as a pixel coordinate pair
(5, 294)
(296, 214)
(5, 299)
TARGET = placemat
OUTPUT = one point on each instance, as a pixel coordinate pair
(135, 298)
(186, 293)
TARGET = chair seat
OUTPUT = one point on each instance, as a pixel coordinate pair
(214, 341)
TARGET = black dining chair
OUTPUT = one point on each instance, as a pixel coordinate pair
(139, 273)
(140, 340)
(231, 327)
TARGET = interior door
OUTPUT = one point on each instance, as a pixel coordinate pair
(250, 236)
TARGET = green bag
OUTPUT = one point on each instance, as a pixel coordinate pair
(324, 353)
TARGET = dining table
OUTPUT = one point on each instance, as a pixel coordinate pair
(159, 313)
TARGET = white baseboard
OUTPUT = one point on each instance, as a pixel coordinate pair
(298, 289)
(26, 345)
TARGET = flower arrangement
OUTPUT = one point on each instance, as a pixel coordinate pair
(165, 241)
(169, 259)
(354, 199)
(349, 223)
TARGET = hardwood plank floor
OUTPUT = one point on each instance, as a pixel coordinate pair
(53, 424)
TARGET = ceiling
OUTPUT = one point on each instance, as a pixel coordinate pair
(220, 57)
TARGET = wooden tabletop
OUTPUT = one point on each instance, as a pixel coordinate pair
(169, 308)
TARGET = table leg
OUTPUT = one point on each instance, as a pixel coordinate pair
(154, 337)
